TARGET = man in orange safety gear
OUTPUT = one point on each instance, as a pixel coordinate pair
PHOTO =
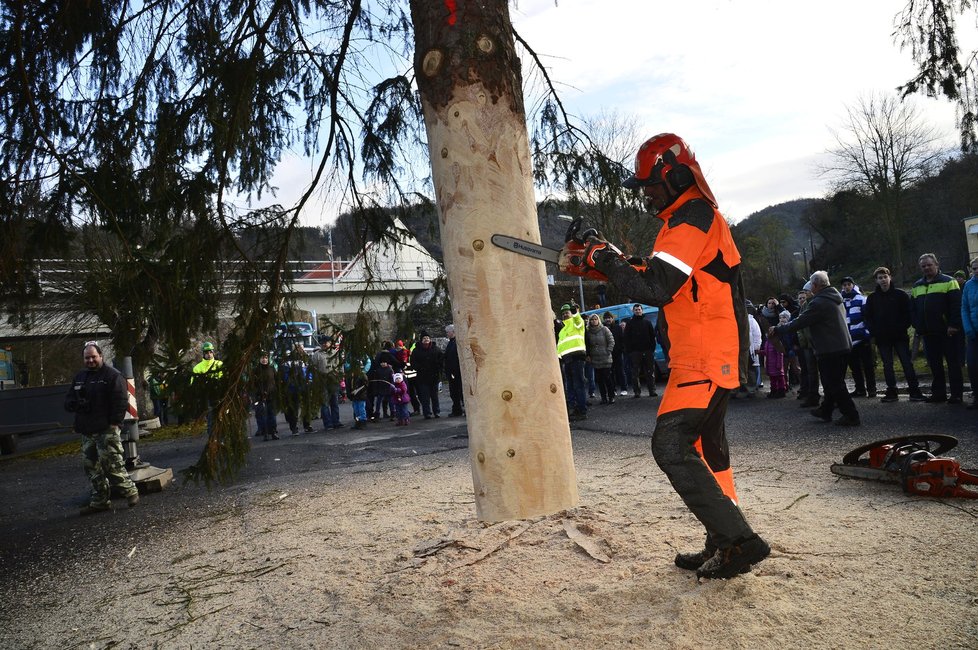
(693, 275)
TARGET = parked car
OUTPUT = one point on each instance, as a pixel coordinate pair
(292, 332)
(623, 312)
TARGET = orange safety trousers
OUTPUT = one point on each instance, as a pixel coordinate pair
(689, 389)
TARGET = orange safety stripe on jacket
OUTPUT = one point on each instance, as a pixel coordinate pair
(704, 334)
(689, 389)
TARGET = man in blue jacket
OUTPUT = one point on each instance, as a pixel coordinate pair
(969, 319)
(936, 310)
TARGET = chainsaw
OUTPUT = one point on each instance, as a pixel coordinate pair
(915, 463)
(575, 243)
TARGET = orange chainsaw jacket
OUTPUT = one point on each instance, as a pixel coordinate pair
(693, 275)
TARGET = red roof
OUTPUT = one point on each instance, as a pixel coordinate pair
(329, 270)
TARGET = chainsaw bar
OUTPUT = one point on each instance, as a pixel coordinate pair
(870, 473)
(526, 248)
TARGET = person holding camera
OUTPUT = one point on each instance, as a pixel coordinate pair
(98, 397)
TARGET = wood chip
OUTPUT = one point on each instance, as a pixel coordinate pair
(591, 545)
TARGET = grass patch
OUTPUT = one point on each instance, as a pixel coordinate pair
(168, 432)
(71, 448)
(176, 431)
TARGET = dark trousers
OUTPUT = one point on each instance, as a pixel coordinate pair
(862, 366)
(938, 348)
(972, 360)
(576, 384)
(292, 407)
(606, 384)
(329, 411)
(455, 392)
(832, 371)
(902, 350)
(428, 396)
(413, 391)
(809, 372)
(618, 370)
(265, 416)
(643, 363)
(382, 407)
(693, 475)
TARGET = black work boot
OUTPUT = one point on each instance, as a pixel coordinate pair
(821, 414)
(734, 560)
(890, 395)
(693, 561)
(95, 508)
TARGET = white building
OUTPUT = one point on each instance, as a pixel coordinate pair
(382, 275)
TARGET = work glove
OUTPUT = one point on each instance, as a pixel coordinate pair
(584, 257)
(572, 261)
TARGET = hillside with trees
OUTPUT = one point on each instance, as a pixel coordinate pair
(844, 233)
(780, 244)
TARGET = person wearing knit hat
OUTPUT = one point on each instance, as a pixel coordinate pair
(401, 397)
(861, 362)
(572, 351)
(427, 361)
(205, 376)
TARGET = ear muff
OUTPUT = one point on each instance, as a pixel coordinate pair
(680, 176)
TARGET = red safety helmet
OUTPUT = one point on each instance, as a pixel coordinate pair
(666, 158)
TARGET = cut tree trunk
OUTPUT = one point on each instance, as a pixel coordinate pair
(519, 439)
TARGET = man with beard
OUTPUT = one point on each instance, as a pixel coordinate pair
(99, 399)
(693, 276)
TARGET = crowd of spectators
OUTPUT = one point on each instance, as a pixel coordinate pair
(794, 341)
(396, 383)
(937, 316)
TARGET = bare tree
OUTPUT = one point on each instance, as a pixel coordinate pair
(614, 138)
(883, 149)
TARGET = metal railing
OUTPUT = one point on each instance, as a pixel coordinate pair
(64, 275)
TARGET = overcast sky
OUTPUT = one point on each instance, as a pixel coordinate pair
(754, 86)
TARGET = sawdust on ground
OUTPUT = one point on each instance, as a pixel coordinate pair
(392, 556)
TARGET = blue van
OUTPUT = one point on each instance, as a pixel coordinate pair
(623, 312)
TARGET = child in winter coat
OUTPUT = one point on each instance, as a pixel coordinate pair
(402, 400)
(382, 390)
(774, 362)
(356, 391)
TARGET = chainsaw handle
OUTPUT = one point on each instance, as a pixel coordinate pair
(573, 229)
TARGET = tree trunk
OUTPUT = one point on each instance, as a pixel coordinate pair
(519, 439)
